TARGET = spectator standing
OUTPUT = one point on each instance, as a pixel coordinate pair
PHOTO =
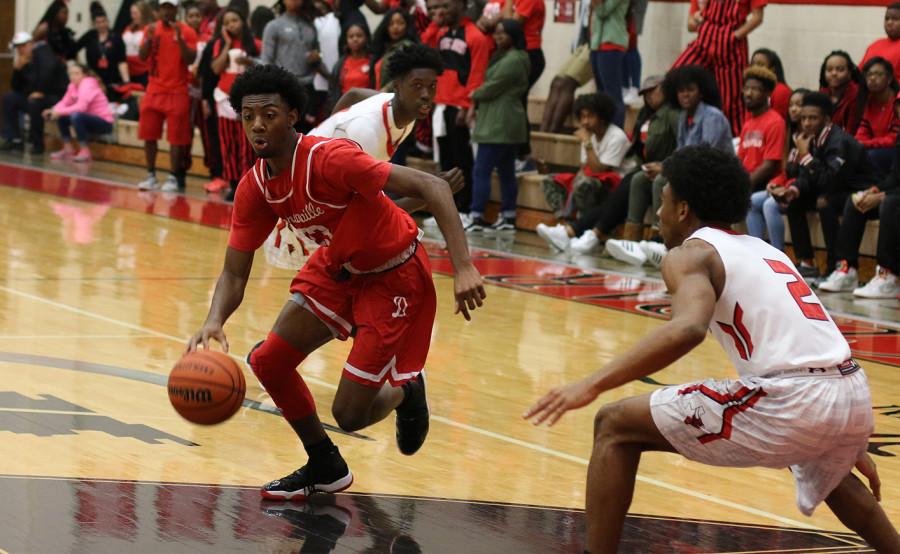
(781, 96)
(889, 46)
(54, 30)
(465, 51)
(133, 37)
(349, 13)
(169, 47)
(501, 124)
(722, 28)
(84, 108)
(354, 68)
(840, 79)
(38, 82)
(765, 215)
(289, 41)
(233, 50)
(609, 42)
(761, 146)
(879, 124)
(261, 16)
(395, 31)
(104, 51)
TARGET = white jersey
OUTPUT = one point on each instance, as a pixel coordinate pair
(370, 123)
(767, 318)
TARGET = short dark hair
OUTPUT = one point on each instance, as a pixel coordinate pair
(598, 103)
(268, 79)
(681, 77)
(819, 100)
(515, 31)
(713, 183)
(414, 56)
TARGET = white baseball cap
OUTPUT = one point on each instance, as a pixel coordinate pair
(20, 38)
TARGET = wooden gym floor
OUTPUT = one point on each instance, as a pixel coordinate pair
(101, 285)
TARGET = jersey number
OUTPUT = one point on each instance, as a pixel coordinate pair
(799, 289)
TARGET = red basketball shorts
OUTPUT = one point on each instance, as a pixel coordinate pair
(392, 314)
(174, 110)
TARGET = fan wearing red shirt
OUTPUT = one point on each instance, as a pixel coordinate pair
(170, 47)
(762, 138)
(840, 79)
(878, 127)
(369, 278)
(888, 47)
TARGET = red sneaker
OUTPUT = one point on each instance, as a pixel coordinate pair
(215, 185)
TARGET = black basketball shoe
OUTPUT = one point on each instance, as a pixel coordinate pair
(412, 416)
(327, 474)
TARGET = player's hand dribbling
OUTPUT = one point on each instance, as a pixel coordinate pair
(866, 466)
(468, 288)
(207, 332)
(559, 401)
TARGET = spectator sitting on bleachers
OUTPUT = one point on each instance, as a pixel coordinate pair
(575, 72)
(38, 82)
(840, 79)
(395, 31)
(780, 98)
(885, 283)
(879, 124)
(233, 51)
(655, 137)
(169, 47)
(761, 146)
(889, 46)
(825, 167)
(603, 149)
(84, 108)
(133, 37)
(765, 215)
(104, 51)
(54, 31)
(501, 124)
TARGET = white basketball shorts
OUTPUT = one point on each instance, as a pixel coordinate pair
(815, 425)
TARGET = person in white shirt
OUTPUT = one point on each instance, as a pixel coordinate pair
(800, 401)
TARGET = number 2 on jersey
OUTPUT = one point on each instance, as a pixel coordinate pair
(798, 290)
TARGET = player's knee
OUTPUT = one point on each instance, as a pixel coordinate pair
(273, 359)
(348, 418)
(607, 422)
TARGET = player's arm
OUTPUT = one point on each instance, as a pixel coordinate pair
(351, 97)
(228, 296)
(454, 178)
(411, 183)
(688, 274)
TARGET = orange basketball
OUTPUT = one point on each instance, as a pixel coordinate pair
(206, 387)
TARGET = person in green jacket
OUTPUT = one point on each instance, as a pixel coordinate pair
(609, 41)
(500, 125)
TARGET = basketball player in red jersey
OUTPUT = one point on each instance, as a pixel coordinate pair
(800, 400)
(369, 278)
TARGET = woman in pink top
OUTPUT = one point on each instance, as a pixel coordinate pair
(85, 108)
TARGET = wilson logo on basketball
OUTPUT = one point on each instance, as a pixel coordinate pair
(189, 395)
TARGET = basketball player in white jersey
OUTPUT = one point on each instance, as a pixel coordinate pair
(799, 402)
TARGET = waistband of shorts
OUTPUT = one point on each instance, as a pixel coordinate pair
(393, 263)
(847, 367)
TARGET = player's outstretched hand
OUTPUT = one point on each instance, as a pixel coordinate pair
(866, 465)
(207, 332)
(469, 290)
(455, 178)
(559, 401)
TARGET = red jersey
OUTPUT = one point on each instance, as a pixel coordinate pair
(879, 125)
(332, 196)
(886, 48)
(534, 13)
(762, 139)
(780, 100)
(168, 72)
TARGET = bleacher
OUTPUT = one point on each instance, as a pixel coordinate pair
(558, 151)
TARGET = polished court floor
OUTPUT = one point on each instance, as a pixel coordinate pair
(100, 286)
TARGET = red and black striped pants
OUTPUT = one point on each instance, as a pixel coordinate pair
(237, 154)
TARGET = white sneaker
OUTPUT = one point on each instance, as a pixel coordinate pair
(556, 236)
(631, 97)
(586, 243)
(150, 183)
(842, 279)
(627, 251)
(883, 285)
(432, 222)
(171, 184)
(655, 252)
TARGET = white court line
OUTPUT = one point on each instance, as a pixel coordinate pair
(510, 440)
(79, 337)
